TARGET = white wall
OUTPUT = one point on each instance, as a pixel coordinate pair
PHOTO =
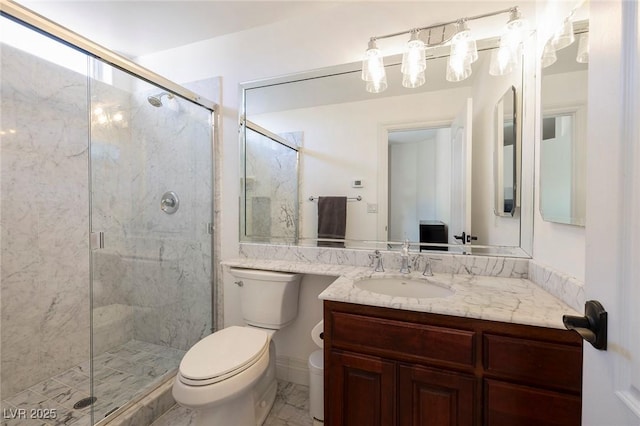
(340, 144)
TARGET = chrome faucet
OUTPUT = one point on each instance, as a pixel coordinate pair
(376, 261)
(404, 258)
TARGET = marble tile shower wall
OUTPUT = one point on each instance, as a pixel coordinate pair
(44, 222)
(152, 282)
(155, 272)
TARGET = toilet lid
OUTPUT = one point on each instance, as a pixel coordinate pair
(222, 353)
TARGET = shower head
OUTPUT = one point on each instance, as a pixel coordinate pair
(156, 100)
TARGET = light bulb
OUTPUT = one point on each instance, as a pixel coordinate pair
(514, 33)
(372, 63)
(377, 86)
(502, 61)
(458, 68)
(414, 62)
(373, 71)
(413, 80)
(462, 44)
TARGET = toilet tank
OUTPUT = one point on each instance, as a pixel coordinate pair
(269, 299)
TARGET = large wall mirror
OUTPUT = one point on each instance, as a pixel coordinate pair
(564, 132)
(413, 164)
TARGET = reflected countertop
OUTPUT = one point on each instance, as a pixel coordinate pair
(510, 300)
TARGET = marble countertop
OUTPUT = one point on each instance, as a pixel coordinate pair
(511, 300)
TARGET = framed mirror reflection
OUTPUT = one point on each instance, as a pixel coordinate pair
(349, 146)
(564, 130)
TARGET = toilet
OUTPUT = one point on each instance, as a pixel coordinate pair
(229, 377)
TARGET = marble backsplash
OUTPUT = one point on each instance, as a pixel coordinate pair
(562, 286)
(454, 264)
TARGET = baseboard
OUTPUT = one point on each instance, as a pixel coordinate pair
(292, 370)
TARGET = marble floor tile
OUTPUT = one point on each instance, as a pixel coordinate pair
(116, 381)
(291, 408)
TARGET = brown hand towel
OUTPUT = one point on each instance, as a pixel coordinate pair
(332, 220)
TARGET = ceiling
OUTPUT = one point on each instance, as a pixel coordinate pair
(136, 28)
(141, 27)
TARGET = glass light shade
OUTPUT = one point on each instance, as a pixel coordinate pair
(412, 81)
(583, 49)
(514, 34)
(414, 62)
(458, 68)
(414, 57)
(373, 64)
(463, 44)
(548, 55)
(564, 36)
(377, 86)
(502, 61)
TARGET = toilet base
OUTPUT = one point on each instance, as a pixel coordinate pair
(236, 412)
(265, 403)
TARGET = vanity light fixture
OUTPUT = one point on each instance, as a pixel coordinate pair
(563, 37)
(464, 51)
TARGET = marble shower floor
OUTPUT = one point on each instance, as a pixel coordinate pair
(291, 408)
(121, 374)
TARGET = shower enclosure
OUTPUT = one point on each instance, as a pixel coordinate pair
(106, 229)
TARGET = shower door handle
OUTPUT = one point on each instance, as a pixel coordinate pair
(96, 240)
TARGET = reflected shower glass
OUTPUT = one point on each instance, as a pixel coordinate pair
(269, 210)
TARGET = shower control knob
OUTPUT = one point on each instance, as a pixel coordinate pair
(169, 202)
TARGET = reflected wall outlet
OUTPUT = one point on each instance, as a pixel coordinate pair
(372, 208)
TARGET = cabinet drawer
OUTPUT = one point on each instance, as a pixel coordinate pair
(403, 340)
(535, 362)
(510, 404)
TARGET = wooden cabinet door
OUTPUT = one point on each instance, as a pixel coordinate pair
(513, 404)
(429, 397)
(361, 390)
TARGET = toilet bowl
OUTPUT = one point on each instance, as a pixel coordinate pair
(229, 377)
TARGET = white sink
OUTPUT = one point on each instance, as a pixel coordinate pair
(404, 287)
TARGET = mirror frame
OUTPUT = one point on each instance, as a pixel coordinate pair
(499, 158)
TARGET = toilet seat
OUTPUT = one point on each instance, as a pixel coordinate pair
(223, 354)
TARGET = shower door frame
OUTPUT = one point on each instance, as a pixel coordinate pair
(63, 35)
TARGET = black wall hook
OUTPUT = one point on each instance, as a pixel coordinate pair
(592, 326)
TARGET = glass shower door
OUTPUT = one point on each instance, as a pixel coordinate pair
(151, 212)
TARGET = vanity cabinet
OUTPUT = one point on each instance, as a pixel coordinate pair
(394, 367)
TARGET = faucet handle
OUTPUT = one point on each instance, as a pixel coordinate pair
(376, 261)
(427, 267)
